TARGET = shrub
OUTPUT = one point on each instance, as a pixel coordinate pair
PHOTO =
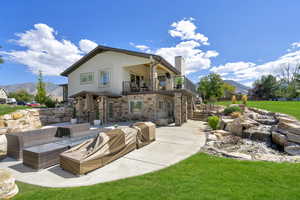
(231, 109)
(233, 99)
(49, 102)
(236, 114)
(213, 122)
(244, 99)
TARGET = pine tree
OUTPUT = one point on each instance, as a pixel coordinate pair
(40, 96)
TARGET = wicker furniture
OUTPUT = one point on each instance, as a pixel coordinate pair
(43, 156)
(98, 152)
(16, 142)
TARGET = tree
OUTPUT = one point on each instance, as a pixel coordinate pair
(21, 95)
(211, 87)
(266, 87)
(229, 90)
(40, 96)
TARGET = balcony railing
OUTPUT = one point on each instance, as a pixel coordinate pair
(171, 84)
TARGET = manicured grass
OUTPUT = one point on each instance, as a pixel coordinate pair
(199, 177)
(287, 107)
(6, 109)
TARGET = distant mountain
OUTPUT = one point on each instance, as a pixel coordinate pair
(240, 88)
(51, 88)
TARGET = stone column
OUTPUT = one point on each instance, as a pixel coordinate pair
(177, 109)
(153, 76)
(102, 103)
(184, 109)
(190, 107)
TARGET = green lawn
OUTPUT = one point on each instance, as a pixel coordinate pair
(287, 107)
(199, 177)
(6, 109)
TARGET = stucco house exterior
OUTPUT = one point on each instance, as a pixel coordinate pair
(129, 85)
(3, 95)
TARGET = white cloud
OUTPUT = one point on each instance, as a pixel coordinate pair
(196, 59)
(43, 51)
(186, 30)
(87, 45)
(247, 72)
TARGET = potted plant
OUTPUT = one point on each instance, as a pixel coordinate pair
(74, 119)
(179, 81)
(97, 121)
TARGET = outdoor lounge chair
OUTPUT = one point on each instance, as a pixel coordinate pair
(98, 152)
(145, 134)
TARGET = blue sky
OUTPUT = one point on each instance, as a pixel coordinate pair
(241, 40)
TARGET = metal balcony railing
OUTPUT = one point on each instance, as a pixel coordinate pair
(171, 84)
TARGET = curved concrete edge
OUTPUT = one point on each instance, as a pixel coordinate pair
(173, 144)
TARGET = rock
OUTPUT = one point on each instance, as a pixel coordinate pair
(17, 115)
(3, 145)
(239, 124)
(261, 111)
(3, 131)
(292, 149)
(290, 127)
(261, 133)
(8, 188)
(266, 119)
(293, 137)
(2, 124)
(211, 137)
(224, 122)
(268, 157)
(6, 117)
(284, 119)
(279, 139)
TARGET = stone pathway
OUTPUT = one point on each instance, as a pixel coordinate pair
(172, 145)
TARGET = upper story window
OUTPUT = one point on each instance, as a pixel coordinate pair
(86, 78)
(104, 78)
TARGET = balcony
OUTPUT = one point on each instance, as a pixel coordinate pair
(160, 84)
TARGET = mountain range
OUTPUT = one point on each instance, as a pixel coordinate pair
(239, 88)
(52, 89)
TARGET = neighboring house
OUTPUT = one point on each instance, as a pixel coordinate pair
(3, 95)
(129, 85)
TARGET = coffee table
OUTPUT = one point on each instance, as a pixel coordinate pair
(43, 156)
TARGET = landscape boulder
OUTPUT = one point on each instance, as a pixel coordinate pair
(8, 188)
(292, 127)
(279, 139)
(292, 149)
(261, 133)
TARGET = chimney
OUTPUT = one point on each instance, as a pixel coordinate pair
(180, 64)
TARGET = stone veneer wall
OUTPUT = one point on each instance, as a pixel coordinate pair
(150, 110)
(30, 119)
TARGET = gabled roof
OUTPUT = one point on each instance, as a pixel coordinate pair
(100, 49)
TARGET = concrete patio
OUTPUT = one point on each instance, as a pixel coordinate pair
(172, 145)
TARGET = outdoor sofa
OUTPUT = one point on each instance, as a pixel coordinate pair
(16, 142)
(95, 153)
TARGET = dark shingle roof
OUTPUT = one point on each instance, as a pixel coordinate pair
(100, 49)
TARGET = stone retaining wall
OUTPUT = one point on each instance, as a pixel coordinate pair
(30, 119)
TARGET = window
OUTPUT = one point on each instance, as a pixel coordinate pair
(86, 78)
(104, 78)
(135, 106)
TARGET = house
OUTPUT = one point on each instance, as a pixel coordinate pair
(3, 95)
(129, 85)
